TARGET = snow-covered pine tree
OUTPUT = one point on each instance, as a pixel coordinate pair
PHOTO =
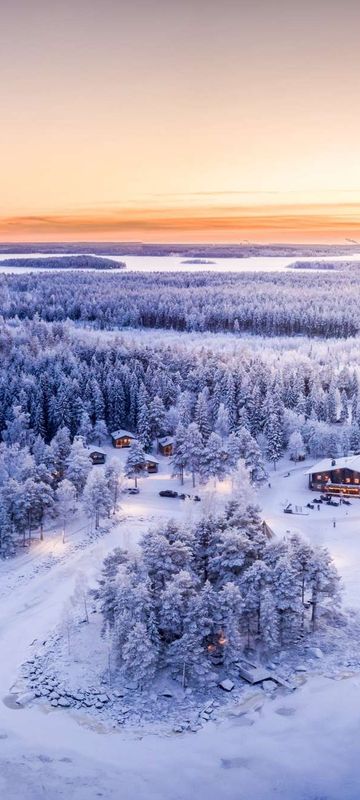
(97, 500)
(135, 462)
(100, 431)
(66, 503)
(78, 465)
(180, 456)
(194, 450)
(139, 656)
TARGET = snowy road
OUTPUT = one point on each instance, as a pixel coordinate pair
(297, 747)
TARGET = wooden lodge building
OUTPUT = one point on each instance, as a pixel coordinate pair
(96, 455)
(151, 464)
(166, 446)
(336, 476)
(122, 438)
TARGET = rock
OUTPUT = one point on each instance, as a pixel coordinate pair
(166, 693)
(54, 703)
(204, 715)
(54, 696)
(98, 704)
(316, 652)
(78, 696)
(103, 698)
(269, 686)
(45, 692)
(194, 727)
(132, 686)
(301, 668)
(88, 703)
(209, 705)
(227, 685)
(64, 702)
(118, 693)
(25, 699)
(37, 692)
(178, 729)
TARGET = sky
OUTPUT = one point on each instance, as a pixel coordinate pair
(180, 120)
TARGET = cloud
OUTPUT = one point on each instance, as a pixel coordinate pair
(229, 222)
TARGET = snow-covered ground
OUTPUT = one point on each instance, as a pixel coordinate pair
(299, 746)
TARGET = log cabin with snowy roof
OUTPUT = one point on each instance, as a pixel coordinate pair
(122, 438)
(166, 445)
(338, 476)
(96, 455)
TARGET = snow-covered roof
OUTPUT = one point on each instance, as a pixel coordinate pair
(166, 440)
(96, 450)
(329, 464)
(151, 458)
(120, 434)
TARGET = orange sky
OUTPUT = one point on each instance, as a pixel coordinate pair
(162, 120)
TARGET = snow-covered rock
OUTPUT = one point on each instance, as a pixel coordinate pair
(25, 699)
(227, 685)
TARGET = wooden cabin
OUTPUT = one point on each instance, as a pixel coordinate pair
(96, 455)
(166, 446)
(336, 476)
(122, 438)
(151, 464)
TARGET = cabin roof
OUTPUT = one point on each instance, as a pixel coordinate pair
(151, 459)
(328, 465)
(96, 450)
(121, 434)
(166, 440)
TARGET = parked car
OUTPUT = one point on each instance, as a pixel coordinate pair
(133, 490)
(197, 498)
(346, 502)
(168, 493)
(310, 505)
(184, 496)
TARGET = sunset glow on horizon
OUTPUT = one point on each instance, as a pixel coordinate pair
(161, 121)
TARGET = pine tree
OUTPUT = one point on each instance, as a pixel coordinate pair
(100, 431)
(66, 503)
(97, 499)
(296, 446)
(222, 424)
(180, 456)
(135, 462)
(143, 419)
(273, 433)
(195, 447)
(78, 465)
(202, 418)
(139, 655)
(157, 415)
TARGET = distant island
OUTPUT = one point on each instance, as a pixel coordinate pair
(64, 262)
(198, 261)
(335, 266)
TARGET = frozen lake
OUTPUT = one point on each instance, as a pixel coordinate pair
(181, 264)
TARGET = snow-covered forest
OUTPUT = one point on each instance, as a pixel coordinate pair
(266, 304)
(60, 393)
